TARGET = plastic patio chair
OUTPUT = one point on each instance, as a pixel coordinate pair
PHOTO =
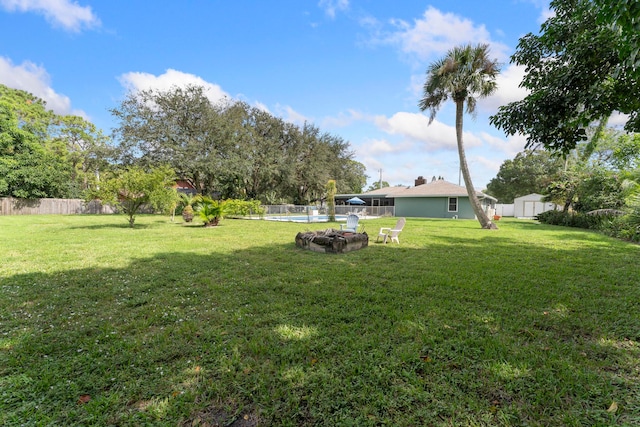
(392, 233)
(352, 223)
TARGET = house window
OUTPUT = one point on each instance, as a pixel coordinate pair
(453, 204)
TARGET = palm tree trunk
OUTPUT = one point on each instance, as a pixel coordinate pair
(481, 215)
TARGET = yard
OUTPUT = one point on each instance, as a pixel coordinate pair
(174, 324)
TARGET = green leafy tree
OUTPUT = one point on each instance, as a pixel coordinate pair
(28, 169)
(31, 112)
(465, 73)
(624, 17)
(260, 141)
(55, 156)
(529, 172)
(86, 149)
(231, 149)
(378, 185)
(599, 189)
(576, 75)
(134, 188)
(179, 127)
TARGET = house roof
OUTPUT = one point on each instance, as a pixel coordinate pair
(386, 191)
(380, 192)
(439, 188)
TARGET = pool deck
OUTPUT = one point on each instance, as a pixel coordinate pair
(308, 219)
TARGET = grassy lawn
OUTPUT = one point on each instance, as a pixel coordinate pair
(174, 324)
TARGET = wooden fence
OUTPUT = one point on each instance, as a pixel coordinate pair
(11, 206)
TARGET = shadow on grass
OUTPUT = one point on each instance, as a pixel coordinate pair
(274, 335)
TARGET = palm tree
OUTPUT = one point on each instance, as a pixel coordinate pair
(466, 72)
(210, 211)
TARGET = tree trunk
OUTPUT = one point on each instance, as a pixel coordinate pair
(481, 215)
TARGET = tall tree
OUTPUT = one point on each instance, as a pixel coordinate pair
(378, 185)
(466, 72)
(577, 74)
(179, 127)
(58, 154)
(86, 148)
(28, 168)
(529, 172)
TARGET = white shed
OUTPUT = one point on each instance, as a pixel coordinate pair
(531, 205)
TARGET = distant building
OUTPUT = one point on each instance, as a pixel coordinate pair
(435, 199)
(184, 186)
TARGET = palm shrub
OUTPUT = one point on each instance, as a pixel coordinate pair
(210, 211)
(186, 200)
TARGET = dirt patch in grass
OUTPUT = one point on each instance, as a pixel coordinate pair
(214, 416)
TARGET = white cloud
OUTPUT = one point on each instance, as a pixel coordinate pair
(290, 115)
(508, 82)
(618, 119)
(138, 81)
(510, 146)
(437, 32)
(375, 147)
(34, 79)
(343, 120)
(262, 107)
(545, 14)
(330, 7)
(491, 164)
(435, 136)
(63, 13)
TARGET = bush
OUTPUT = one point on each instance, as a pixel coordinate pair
(235, 207)
(571, 219)
(625, 227)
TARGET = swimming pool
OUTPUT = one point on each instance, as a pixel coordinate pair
(304, 218)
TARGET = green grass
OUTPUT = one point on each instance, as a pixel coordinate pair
(175, 324)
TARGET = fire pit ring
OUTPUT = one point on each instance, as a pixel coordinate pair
(332, 241)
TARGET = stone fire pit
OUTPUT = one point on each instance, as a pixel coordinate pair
(332, 241)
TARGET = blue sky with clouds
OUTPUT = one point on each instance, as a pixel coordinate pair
(355, 68)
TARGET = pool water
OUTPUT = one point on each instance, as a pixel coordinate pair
(304, 218)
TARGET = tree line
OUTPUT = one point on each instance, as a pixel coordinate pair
(43, 154)
(227, 149)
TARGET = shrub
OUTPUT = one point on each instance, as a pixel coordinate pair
(210, 211)
(625, 227)
(570, 219)
(236, 207)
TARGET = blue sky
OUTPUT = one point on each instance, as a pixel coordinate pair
(355, 68)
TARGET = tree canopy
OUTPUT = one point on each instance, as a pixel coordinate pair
(43, 154)
(232, 149)
(529, 172)
(577, 73)
(133, 188)
(28, 168)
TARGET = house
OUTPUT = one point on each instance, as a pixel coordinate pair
(531, 205)
(184, 186)
(435, 199)
(440, 199)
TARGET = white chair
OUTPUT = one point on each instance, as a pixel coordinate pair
(386, 232)
(352, 223)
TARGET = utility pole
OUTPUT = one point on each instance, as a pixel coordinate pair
(380, 181)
